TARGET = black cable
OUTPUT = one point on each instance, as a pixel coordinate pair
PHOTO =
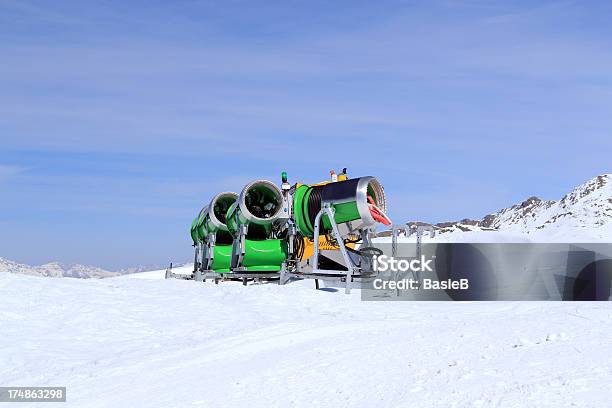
(370, 251)
(314, 203)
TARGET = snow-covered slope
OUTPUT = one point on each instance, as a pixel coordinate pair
(55, 269)
(584, 213)
(168, 343)
(138, 269)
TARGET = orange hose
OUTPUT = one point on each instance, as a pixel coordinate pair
(377, 213)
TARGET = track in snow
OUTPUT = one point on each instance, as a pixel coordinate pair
(148, 342)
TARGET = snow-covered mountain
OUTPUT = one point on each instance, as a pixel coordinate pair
(55, 269)
(584, 214)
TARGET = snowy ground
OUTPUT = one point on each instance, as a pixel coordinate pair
(148, 342)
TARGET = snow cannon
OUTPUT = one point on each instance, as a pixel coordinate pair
(299, 231)
(212, 218)
(194, 229)
(211, 236)
(260, 204)
(357, 203)
(251, 220)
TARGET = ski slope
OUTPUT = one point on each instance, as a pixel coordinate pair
(144, 341)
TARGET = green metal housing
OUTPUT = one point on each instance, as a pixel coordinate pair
(344, 212)
(194, 230)
(261, 256)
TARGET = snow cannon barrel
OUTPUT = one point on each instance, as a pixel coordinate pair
(211, 218)
(360, 202)
(197, 234)
(217, 211)
(260, 203)
(194, 231)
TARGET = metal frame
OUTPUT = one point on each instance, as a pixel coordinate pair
(170, 274)
(354, 272)
(409, 230)
(237, 271)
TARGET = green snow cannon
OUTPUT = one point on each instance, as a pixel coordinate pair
(265, 255)
(222, 254)
(212, 217)
(194, 230)
(259, 205)
(355, 202)
(211, 220)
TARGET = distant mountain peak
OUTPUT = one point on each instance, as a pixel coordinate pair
(530, 202)
(595, 187)
(583, 213)
(588, 206)
(55, 269)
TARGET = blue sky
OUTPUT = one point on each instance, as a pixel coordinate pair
(119, 120)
